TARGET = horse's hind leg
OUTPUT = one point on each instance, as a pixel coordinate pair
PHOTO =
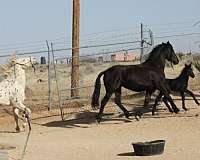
(118, 102)
(163, 89)
(103, 103)
(16, 118)
(193, 96)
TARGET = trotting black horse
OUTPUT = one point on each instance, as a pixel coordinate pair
(179, 84)
(147, 76)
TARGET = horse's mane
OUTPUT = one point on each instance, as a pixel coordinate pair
(154, 53)
(6, 69)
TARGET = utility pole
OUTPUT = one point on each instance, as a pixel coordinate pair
(141, 42)
(75, 49)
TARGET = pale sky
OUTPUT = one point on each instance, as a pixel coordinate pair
(26, 24)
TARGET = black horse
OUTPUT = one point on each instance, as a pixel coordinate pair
(179, 84)
(147, 76)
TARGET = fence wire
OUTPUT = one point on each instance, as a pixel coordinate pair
(91, 64)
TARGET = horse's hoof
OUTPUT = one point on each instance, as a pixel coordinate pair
(185, 109)
(95, 107)
(127, 115)
(17, 129)
(176, 110)
(137, 117)
(98, 119)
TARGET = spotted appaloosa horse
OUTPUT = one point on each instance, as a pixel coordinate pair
(12, 88)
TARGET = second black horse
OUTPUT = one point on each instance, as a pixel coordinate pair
(178, 84)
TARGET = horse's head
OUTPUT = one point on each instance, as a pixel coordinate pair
(26, 62)
(189, 70)
(171, 56)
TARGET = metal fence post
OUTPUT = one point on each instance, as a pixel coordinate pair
(57, 84)
(49, 77)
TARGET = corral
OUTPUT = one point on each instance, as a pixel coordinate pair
(52, 55)
(80, 137)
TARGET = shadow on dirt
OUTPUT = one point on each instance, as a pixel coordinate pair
(85, 118)
(82, 120)
(127, 154)
(9, 132)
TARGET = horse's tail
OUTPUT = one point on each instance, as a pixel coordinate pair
(96, 93)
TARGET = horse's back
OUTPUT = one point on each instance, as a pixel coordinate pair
(133, 77)
(176, 84)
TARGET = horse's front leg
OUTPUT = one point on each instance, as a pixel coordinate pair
(18, 105)
(193, 96)
(165, 92)
(158, 98)
(16, 118)
(167, 105)
(119, 103)
(147, 99)
(183, 101)
(26, 110)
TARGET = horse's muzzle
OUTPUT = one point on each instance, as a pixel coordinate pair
(175, 61)
(34, 68)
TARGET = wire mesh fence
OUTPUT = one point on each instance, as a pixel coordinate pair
(94, 58)
(90, 66)
(51, 83)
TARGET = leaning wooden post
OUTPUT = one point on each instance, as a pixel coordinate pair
(57, 83)
(49, 78)
(75, 49)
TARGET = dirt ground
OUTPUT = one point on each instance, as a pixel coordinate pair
(79, 137)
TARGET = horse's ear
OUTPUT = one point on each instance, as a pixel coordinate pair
(188, 63)
(163, 43)
(168, 43)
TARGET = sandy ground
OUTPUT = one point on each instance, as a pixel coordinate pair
(80, 138)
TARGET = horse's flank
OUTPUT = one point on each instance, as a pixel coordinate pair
(13, 87)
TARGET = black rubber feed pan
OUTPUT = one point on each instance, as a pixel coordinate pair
(149, 148)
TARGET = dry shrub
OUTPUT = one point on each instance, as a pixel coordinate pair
(89, 68)
(28, 92)
(196, 62)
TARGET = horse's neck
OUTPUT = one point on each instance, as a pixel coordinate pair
(183, 76)
(158, 62)
(19, 75)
